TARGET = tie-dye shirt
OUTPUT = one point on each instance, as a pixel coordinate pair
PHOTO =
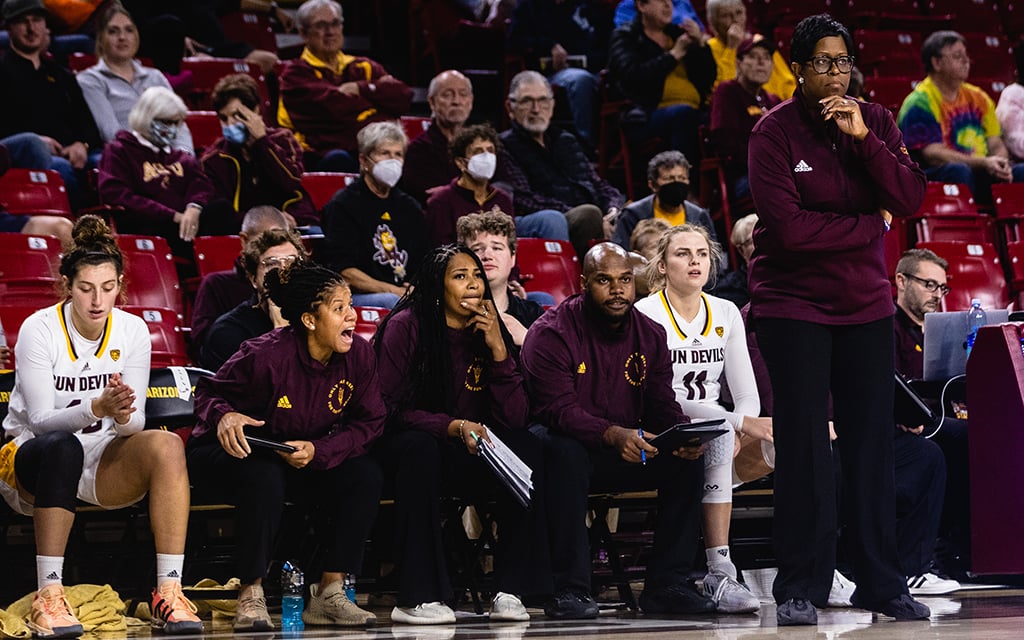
(964, 124)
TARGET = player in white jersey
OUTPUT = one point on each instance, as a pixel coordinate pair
(708, 346)
(77, 425)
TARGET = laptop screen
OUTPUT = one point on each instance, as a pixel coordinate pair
(945, 342)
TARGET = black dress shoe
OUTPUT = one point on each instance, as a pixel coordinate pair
(677, 598)
(569, 604)
(796, 611)
(902, 607)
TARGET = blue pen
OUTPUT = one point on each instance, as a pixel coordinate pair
(643, 452)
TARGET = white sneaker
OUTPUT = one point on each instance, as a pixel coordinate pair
(729, 595)
(842, 589)
(929, 584)
(426, 613)
(507, 607)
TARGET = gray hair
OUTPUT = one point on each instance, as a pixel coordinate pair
(261, 218)
(526, 77)
(156, 103)
(712, 7)
(934, 44)
(377, 133)
(436, 80)
(306, 10)
(666, 160)
(743, 230)
(659, 281)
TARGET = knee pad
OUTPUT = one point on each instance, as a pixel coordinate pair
(49, 467)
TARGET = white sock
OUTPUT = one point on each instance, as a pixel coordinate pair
(49, 570)
(169, 567)
(720, 561)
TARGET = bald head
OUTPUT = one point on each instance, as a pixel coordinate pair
(450, 96)
(608, 281)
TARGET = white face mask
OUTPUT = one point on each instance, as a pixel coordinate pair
(481, 166)
(388, 172)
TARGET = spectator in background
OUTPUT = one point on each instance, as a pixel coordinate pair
(547, 169)
(1010, 110)
(273, 249)
(682, 10)
(727, 21)
(645, 236)
(950, 126)
(474, 150)
(733, 285)
(220, 291)
(667, 70)
(327, 96)
(548, 32)
(251, 164)
(113, 85)
(31, 224)
(428, 163)
(668, 177)
(163, 190)
(492, 237)
(376, 235)
(43, 102)
(736, 107)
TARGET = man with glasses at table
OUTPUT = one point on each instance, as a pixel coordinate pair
(327, 96)
(950, 126)
(920, 287)
(545, 168)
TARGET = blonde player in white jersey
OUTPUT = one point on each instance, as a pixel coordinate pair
(708, 346)
(76, 415)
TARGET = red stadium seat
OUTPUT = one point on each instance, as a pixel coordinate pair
(974, 272)
(892, 53)
(368, 321)
(215, 253)
(942, 198)
(1015, 254)
(896, 242)
(1008, 198)
(549, 265)
(165, 335)
(252, 28)
(79, 61)
(974, 228)
(205, 129)
(322, 185)
(12, 316)
(890, 92)
(150, 278)
(29, 271)
(207, 71)
(34, 192)
(415, 126)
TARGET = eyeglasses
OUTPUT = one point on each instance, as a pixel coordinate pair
(823, 64)
(957, 57)
(324, 25)
(542, 102)
(278, 262)
(929, 285)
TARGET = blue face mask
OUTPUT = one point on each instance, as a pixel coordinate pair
(235, 133)
(163, 134)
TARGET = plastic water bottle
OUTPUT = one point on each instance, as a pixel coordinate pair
(350, 587)
(976, 319)
(292, 604)
(3, 336)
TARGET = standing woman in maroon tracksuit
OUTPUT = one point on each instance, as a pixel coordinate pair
(827, 173)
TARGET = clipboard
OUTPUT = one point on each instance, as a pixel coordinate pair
(689, 434)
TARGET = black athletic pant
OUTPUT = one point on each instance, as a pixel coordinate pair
(575, 470)
(805, 362)
(423, 469)
(920, 487)
(258, 487)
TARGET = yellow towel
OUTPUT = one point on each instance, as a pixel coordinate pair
(98, 608)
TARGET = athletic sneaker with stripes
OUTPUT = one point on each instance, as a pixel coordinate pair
(51, 615)
(172, 611)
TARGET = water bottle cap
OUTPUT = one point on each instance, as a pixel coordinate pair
(975, 301)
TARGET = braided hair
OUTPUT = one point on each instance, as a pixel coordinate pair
(300, 289)
(92, 244)
(431, 365)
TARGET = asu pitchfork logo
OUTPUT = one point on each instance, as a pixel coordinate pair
(636, 369)
(339, 396)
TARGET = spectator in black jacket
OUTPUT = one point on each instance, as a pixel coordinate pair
(545, 168)
(667, 71)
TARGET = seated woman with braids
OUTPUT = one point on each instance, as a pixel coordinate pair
(312, 385)
(448, 375)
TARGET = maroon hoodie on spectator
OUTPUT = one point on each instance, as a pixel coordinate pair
(337, 406)
(584, 376)
(819, 242)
